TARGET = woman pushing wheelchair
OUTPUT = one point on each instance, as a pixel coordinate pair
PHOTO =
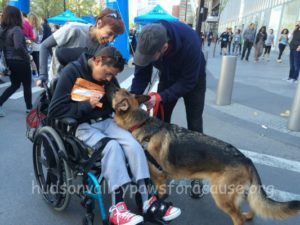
(96, 123)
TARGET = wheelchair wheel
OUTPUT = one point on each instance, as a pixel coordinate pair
(51, 171)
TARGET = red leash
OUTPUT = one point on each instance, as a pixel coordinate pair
(158, 108)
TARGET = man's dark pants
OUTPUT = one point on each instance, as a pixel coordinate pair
(194, 105)
(247, 46)
(294, 64)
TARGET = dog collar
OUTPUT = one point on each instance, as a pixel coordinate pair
(138, 125)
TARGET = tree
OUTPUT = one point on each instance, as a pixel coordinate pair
(46, 8)
(84, 7)
(3, 3)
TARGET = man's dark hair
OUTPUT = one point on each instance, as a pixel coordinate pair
(111, 57)
(11, 17)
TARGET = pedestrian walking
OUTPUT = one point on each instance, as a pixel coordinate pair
(283, 42)
(16, 56)
(46, 29)
(295, 55)
(268, 44)
(230, 37)
(260, 39)
(224, 39)
(210, 37)
(249, 37)
(237, 43)
(36, 43)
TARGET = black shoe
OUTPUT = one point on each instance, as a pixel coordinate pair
(196, 189)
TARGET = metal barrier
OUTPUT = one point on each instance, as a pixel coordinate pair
(294, 120)
(225, 85)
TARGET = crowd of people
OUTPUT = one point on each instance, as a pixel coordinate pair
(240, 44)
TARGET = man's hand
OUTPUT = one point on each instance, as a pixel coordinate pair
(151, 103)
(94, 100)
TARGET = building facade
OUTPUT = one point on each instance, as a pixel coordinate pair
(175, 11)
(274, 14)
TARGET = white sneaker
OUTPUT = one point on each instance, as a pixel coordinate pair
(291, 81)
(2, 113)
(279, 60)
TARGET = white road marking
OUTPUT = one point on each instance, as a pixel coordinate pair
(6, 84)
(19, 94)
(268, 160)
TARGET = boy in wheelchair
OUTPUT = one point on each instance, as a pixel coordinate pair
(96, 123)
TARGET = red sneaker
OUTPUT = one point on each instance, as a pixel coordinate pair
(170, 214)
(119, 215)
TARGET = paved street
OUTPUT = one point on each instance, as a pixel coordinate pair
(252, 123)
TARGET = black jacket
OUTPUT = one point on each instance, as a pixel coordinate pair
(15, 45)
(295, 42)
(62, 105)
(46, 31)
(180, 69)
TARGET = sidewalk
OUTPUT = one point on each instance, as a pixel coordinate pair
(259, 94)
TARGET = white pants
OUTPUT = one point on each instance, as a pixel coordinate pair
(124, 146)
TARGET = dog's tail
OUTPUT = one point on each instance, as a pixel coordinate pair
(266, 207)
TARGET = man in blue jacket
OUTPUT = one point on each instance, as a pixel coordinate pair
(174, 49)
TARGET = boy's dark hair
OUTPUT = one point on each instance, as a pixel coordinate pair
(11, 17)
(111, 57)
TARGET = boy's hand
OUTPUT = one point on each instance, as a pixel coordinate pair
(94, 100)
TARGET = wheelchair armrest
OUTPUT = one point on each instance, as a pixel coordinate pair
(66, 124)
(68, 121)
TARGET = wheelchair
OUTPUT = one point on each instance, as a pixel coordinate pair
(59, 157)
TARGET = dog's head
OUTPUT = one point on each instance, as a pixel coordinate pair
(123, 101)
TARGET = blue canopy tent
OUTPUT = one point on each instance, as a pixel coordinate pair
(157, 13)
(66, 16)
(89, 19)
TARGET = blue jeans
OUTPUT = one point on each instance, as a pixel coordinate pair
(294, 64)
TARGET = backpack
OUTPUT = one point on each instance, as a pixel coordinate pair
(4, 70)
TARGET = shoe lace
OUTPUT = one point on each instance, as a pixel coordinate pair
(125, 215)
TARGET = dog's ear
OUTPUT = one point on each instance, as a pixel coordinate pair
(142, 98)
(123, 105)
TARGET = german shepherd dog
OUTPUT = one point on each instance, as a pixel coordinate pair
(184, 154)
